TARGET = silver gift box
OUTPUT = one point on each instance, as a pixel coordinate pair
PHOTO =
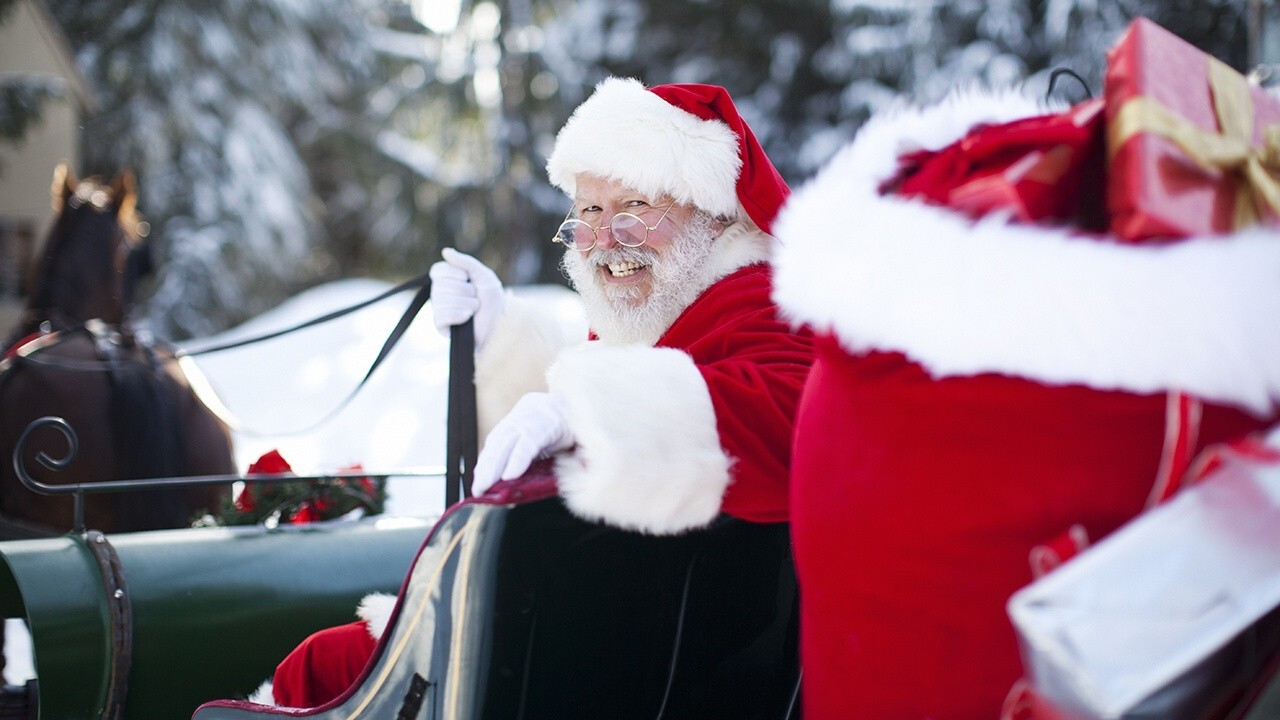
(1170, 616)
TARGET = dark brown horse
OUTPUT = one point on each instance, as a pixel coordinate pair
(74, 356)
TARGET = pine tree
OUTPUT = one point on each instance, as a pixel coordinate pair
(218, 107)
(280, 143)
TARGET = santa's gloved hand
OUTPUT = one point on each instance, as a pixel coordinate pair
(537, 425)
(462, 287)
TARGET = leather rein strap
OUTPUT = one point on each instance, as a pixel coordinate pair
(406, 318)
(461, 440)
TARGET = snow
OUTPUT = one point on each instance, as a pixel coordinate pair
(283, 393)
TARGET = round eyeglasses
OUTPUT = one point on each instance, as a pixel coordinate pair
(625, 228)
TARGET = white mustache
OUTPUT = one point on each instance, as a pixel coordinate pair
(621, 254)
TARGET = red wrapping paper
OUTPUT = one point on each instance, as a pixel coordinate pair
(1155, 191)
(1043, 168)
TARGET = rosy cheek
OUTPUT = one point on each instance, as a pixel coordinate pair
(661, 237)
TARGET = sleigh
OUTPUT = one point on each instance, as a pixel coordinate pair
(512, 608)
(151, 624)
(515, 608)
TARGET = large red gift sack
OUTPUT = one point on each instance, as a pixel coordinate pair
(1194, 148)
(983, 386)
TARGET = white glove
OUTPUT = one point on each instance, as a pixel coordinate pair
(462, 287)
(537, 425)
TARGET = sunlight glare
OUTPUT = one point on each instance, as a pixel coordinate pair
(438, 16)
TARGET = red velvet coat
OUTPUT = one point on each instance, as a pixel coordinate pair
(669, 436)
(754, 367)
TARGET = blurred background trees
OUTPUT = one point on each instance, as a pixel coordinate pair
(281, 143)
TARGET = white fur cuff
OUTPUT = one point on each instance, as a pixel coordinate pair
(649, 455)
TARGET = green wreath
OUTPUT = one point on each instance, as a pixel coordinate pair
(271, 502)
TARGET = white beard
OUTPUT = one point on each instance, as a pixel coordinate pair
(679, 274)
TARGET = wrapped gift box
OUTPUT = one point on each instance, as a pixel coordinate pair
(1173, 616)
(1187, 141)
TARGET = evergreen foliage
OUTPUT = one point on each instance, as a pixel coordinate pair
(281, 143)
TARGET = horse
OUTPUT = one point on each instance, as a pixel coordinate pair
(129, 403)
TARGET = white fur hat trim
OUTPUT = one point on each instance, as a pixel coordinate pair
(625, 133)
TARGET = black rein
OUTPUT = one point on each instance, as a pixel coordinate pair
(461, 438)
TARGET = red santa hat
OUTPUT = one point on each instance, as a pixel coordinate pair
(686, 141)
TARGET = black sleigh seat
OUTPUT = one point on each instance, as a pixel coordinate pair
(514, 608)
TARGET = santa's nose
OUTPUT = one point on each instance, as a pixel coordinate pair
(605, 238)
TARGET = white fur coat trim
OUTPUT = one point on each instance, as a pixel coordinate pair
(375, 609)
(963, 297)
(515, 359)
(626, 133)
(648, 456)
(264, 695)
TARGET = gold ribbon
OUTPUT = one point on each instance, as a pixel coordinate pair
(1231, 151)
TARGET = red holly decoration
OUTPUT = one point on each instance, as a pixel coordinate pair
(301, 501)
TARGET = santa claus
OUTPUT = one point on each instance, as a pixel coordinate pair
(681, 406)
(981, 387)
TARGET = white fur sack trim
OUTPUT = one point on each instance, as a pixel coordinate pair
(624, 132)
(648, 456)
(963, 297)
(375, 609)
(515, 358)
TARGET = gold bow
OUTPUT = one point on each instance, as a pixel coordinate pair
(1232, 150)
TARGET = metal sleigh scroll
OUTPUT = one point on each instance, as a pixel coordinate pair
(79, 490)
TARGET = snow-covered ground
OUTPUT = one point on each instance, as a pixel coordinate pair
(281, 390)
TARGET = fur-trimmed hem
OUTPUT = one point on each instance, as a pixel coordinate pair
(375, 610)
(648, 456)
(963, 297)
(515, 359)
(263, 695)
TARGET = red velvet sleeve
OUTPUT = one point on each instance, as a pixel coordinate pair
(755, 367)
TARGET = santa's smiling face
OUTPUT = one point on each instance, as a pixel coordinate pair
(632, 294)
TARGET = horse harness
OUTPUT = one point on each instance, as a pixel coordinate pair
(111, 346)
(110, 342)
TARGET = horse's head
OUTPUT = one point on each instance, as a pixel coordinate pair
(94, 254)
